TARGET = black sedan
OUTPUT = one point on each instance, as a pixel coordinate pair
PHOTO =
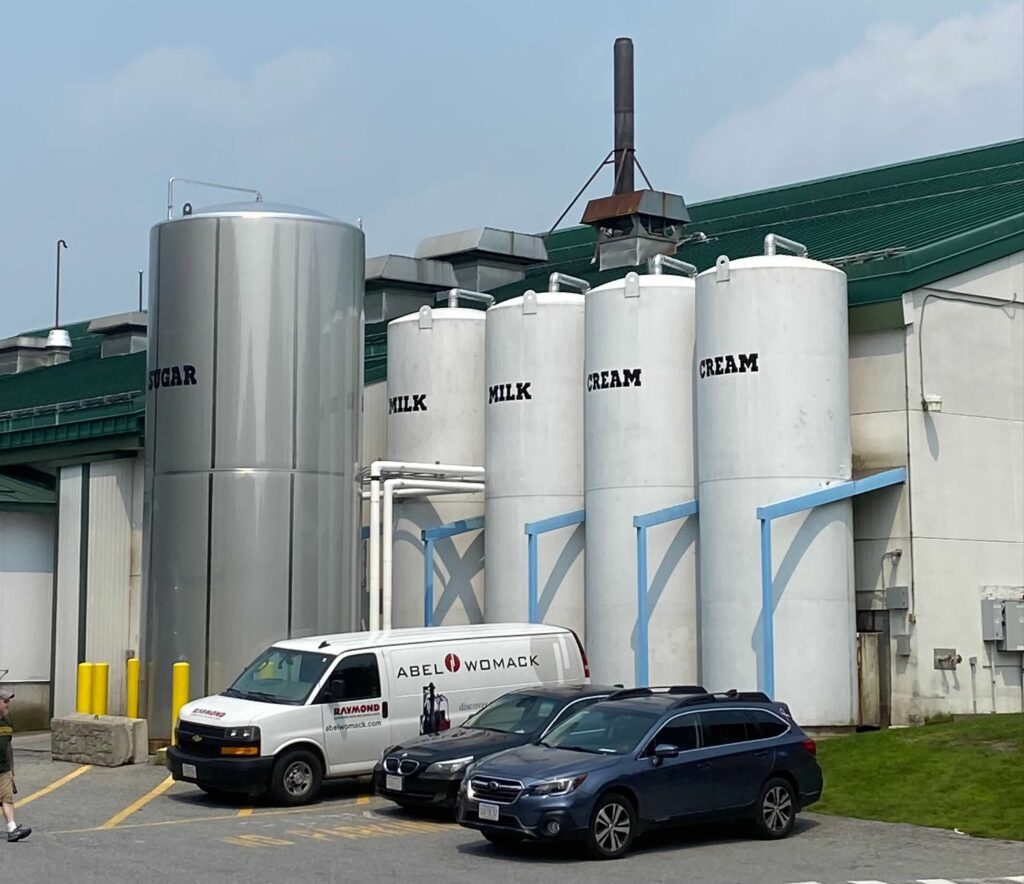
(427, 771)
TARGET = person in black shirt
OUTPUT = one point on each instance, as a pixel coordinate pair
(7, 788)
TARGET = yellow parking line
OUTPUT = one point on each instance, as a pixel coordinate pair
(136, 805)
(54, 786)
(363, 799)
(245, 811)
(316, 808)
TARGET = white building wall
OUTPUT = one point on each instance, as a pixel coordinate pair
(99, 562)
(967, 486)
(109, 629)
(26, 596)
(69, 563)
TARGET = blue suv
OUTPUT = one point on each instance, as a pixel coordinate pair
(642, 759)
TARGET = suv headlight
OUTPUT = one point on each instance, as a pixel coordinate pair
(561, 786)
(449, 767)
(248, 733)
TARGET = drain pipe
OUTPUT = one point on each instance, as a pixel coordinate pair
(390, 485)
(773, 242)
(656, 265)
(377, 469)
(557, 279)
(454, 295)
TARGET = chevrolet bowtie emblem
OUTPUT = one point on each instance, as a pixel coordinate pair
(196, 738)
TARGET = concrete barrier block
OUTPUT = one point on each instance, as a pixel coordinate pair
(140, 740)
(103, 740)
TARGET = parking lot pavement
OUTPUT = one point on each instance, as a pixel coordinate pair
(133, 823)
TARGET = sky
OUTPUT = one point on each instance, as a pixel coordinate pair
(426, 118)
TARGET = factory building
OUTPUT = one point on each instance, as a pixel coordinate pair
(790, 457)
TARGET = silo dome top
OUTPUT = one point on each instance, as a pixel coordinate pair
(257, 209)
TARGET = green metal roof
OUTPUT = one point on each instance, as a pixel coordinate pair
(892, 229)
(22, 494)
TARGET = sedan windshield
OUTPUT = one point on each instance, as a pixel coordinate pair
(603, 729)
(281, 676)
(515, 714)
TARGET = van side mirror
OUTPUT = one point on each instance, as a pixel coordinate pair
(665, 750)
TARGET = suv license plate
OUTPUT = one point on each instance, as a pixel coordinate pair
(489, 812)
(393, 784)
(189, 770)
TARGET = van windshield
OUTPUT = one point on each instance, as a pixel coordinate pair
(281, 676)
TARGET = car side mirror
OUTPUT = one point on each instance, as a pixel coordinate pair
(665, 750)
(334, 691)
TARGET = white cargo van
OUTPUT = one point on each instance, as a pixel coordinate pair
(314, 708)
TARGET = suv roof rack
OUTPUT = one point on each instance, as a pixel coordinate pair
(677, 689)
(725, 697)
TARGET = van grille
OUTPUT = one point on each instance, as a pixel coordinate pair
(496, 789)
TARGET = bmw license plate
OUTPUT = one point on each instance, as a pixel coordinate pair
(393, 784)
(489, 812)
(189, 771)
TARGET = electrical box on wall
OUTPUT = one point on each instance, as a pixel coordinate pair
(903, 646)
(897, 598)
(1013, 626)
(992, 620)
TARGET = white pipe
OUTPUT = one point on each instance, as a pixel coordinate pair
(388, 540)
(557, 279)
(773, 242)
(375, 554)
(453, 296)
(658, 263)
(377, 469)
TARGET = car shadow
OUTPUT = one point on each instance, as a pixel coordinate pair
(331, 791)
(658, 841)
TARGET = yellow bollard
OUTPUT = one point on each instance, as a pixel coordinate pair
(83, 702)
(132, 688)
(100, 685)
(179, 697)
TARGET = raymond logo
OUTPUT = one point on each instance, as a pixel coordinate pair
(357, 709)
(452, 663)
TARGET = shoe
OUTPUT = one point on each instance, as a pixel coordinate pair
(19, 834)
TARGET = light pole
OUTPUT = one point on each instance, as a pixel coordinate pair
(56, 315)
(58, 339)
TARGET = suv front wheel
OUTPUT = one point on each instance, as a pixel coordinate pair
(612, 827)
(776, 809)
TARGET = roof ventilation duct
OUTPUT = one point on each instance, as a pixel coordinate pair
(121, 334)
(486, 257)
(397, 285)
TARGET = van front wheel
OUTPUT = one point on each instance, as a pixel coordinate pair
(296, 778)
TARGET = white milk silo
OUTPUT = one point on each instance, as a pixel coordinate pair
(534, 454)
(252, 430)
(436, 415)
(773, 422)
(641, 457)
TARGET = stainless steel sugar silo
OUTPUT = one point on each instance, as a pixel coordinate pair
(252, 425)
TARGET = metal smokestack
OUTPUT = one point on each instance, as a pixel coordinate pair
(624, 113)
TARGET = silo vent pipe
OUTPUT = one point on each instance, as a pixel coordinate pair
(170, 191)
(557, 279)
(658, 263)
(454, 295)
(773, 242)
